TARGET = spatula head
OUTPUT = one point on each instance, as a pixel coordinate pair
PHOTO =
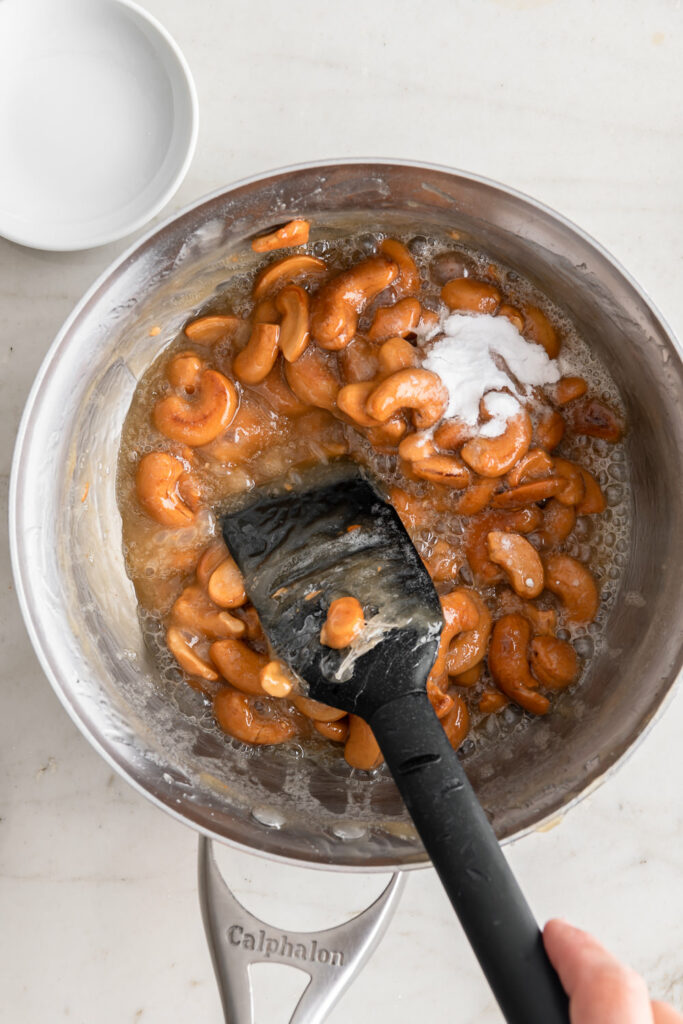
(328, 533)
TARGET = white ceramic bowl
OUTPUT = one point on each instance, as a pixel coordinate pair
(98, 121)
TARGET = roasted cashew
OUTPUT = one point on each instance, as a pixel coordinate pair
(276, 680)
(249, 616)
(593, 502)
(470, 677)
(417, 445)
(519, 559)
(226, 586)
(416, 389)
(239, 664)
(359, 361)
(200, 419)
(450, 435)
(207, 330)
(188, 659)
(344, 623)
(316, 711)
(314, 378)
(395, 321)
(408, 280)
(292, 304)
(338, 302)
(553, 662)
(538, 328)
(351, 400)
(477, 496)
(492, 701)
(242, 716)
(386, 436)
(550, 430)
(574, 490)
(210, 559)
(361, 749)
(442, 469)
(195, 612)
(567, 389)
(558, 522)
(257, 358)
(456, 724)
(338, 732)
(184, 370)
(529, 494)
(413, 512)
(509, 666)
(250, 432)
(469, 647)
(523, 520)
(470, 295)
(279, 395)
(265, 312)
(277, 274)
(443, 563)
(574, 585)
(295, 232)
(595, 419)
(441, 702)
(396, 354)
(535, 465)
(460, 615)
(158, 480)
(512, 314)
(543, 620)
(495, 456)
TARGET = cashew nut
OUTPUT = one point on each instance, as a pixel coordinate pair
(593, 502)
(456, 724)
(295, 232)
(558, 522)
(528, 494)
(470, 295)
(157, 483)
(543, 620)
(250, 432)
(194, 611)
(226, 586)
(535, 465)
(470, 677)
(239, 664)
(443, 563)
(538, 328)
(513, 315)
(492, 701)
(574, 490)
(595, 419)
(361, 749)
(359, 361)
(316, 711)
(418, 445)
(509, 666)
(569, 388)
(210, 559)
(351, 400)
(184, 370)
(338, 302)
(469, 647)
(292, 304)
(519, 559)
(442, 469)
(450, 435)
(257, 358)
(416, 389)
(460, 614)
(574, 585)
(243, 717)
(199, 419)
(396, 354)
(550, 430)
(477, 496)
(476, 540)
(408, 280)
(494, 456)
(279, 395)
(265, 312)
(277, 274)
(314, 378)
(553, 662)
(338, 732)
(207, 330)
(188, 659)
(345, 621)
(398, 320)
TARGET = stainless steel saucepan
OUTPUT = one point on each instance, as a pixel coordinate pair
(80, 608)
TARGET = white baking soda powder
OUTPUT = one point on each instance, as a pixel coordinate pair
(479, 353)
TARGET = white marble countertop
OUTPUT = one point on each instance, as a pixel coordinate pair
(577, 104)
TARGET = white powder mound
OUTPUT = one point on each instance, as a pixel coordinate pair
(464, 360)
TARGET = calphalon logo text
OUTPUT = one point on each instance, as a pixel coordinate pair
(271, 945)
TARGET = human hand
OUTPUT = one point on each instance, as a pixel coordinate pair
(601, 990)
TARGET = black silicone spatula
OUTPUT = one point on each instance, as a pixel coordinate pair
(330, 534)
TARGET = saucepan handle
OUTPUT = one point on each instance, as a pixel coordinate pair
(331, 958)
(465, 852)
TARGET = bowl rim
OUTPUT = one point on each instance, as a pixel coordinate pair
(163, 39)
(29, 613)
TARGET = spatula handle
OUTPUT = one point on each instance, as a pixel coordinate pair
(465, 852)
